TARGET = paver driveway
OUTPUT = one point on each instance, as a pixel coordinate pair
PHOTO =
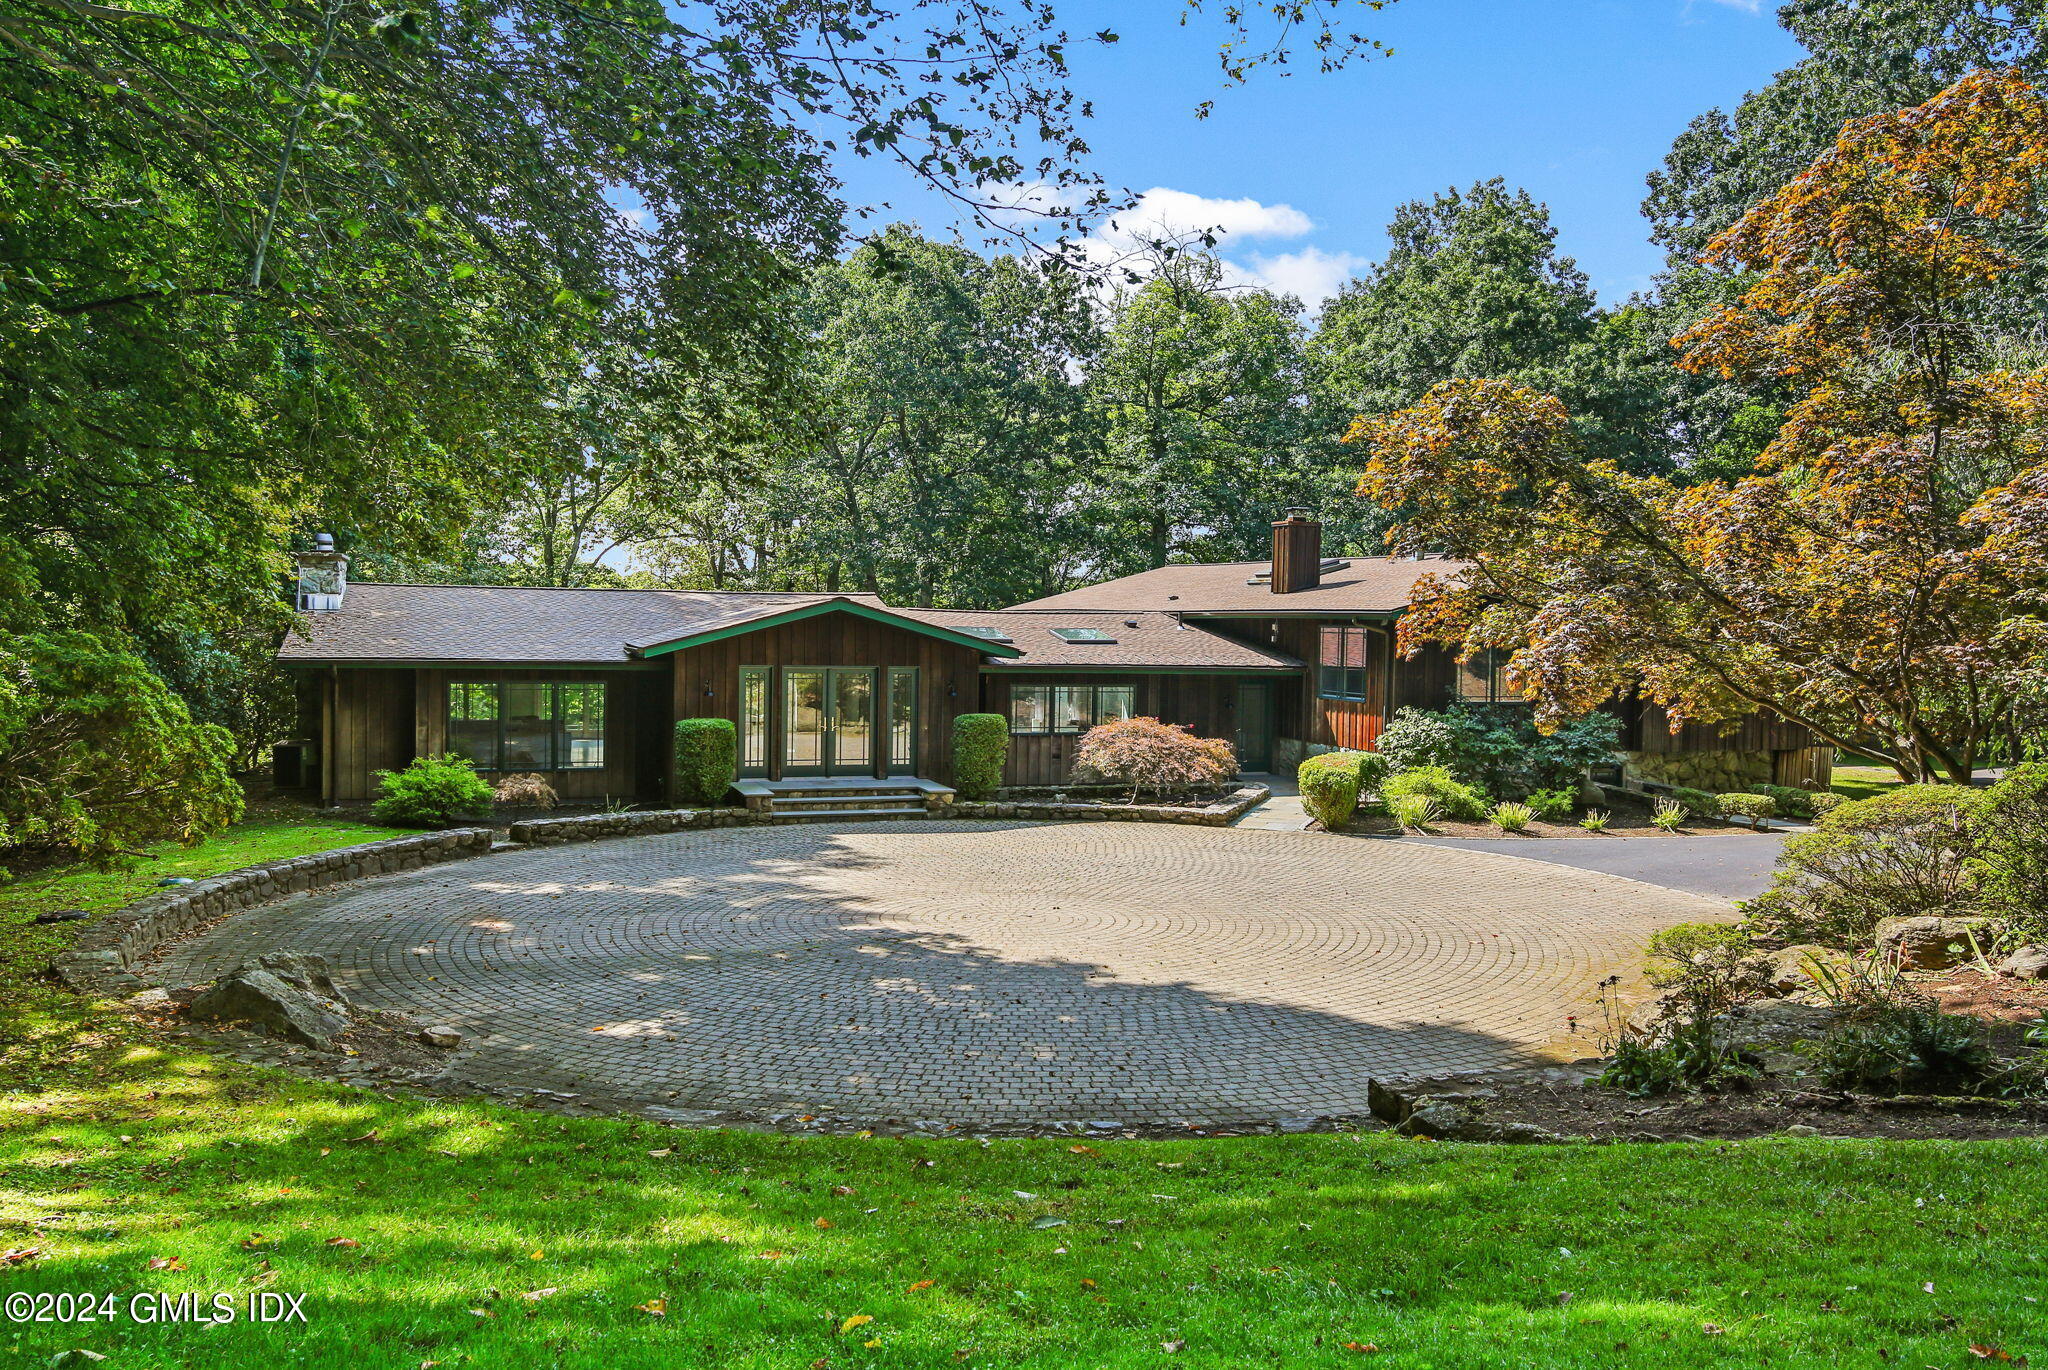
(975, 973)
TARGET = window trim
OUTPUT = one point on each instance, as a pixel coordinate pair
(1497, 691)
(554, 716)
(1342, 693)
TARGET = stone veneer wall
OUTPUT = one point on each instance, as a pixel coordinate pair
(1720, 772)
(99, 958)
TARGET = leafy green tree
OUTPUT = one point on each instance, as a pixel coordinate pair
(1199, 386)
(1473, 288)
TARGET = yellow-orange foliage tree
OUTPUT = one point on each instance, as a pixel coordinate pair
(1881, 577)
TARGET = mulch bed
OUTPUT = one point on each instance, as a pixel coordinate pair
(1622, 824)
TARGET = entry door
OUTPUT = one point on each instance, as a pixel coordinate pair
(1254, 725)
(828, 725)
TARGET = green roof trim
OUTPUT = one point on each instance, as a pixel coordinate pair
(980, 645)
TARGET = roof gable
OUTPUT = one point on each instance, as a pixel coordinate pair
(773, 617)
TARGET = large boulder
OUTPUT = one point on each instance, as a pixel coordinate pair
(1930, 943)
(292, 997)
(2028, 963)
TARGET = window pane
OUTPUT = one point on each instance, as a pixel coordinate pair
(1354, 682)
(1475, 678)
(1354, 647)
(1330, 682)
(579, 743)
(1031, 708)
(1071, 709)
(529, 727)
(902, 720)
(1333, 647)
(1114, 702)
(754, 719)
(473, 723)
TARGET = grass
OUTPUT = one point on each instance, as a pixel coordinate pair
(461, 1234)
(1863, 781)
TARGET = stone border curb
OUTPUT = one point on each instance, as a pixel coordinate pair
(98, 960)
(1216, 815)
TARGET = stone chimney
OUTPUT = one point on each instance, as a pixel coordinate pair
(323, 576)
(1297, 553)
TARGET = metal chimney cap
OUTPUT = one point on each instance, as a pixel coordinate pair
(323, 542)
(1297, 512)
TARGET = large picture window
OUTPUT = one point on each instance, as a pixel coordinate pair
(1484, 679)
(1341, 661)
(1069, 708)
(522, 725)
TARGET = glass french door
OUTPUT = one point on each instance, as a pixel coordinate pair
(828, 722)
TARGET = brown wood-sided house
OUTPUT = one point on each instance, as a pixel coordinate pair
(1284, 659)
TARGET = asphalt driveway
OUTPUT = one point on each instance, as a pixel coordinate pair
(1721, 865)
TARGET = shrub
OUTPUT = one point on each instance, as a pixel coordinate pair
(1906, 1046)
(1149, 755)
(1415, 739)
(1595, 820)
(1668, 815)
(2010, 848)
(1372, 771)
(1497, 748)
(707, 759)
(432, 792)
(1903, 852)
(1453, 799)
(1792, 802)
(1754, 807)
(1826, 801)
(1512, 817)
(981, 747)
(1329, 788)
(1697, 802)
(525, 791)
(1414, 811)
(1699, 965)
(1554, 803)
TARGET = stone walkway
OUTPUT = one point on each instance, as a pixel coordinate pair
(977, 973)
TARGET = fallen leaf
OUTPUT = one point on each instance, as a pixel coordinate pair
(22, 1255)
(1048, 1221)
(536, 1254)
(654, 1308)
(536, 1295)
(775, 1255)
(1172, 1348)
(254, 1241)
(166, 1263)
(872, 1343)
(665, 1151)
(857, 1320)
(369, 1136)
(1024, 1194)
(482, 1313)
(1363, 1348)
(921, 1284)
(1713, 1329)
(822, 1224)
(1082, 1150)
(349, 1242)
(1987, 1352)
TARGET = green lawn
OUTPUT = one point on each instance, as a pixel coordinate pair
(465, 1235)
(1860, 781)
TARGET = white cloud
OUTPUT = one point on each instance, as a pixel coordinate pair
(1311, 274)
(1165, 213)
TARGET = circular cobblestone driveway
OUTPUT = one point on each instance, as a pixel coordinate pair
(994, 974)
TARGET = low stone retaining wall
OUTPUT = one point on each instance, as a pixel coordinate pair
(99, 959)
(590, 827)
(1217, 815)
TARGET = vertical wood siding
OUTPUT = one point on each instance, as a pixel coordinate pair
(1206, 705)
(948, 677)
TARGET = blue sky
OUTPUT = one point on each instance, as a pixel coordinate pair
(1574, 99)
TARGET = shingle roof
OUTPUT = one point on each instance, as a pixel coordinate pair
(1143, 638)
(528, 625)
(1361, 585)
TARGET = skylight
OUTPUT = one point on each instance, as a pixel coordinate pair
(1082, 635)
(992, 634)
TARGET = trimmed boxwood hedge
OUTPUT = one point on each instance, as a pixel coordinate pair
(1330, 784)
(981, 747)
(707, 759)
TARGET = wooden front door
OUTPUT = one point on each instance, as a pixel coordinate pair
(1254, 726)
(828, 720)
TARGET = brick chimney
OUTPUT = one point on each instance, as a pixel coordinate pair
(1297, 553)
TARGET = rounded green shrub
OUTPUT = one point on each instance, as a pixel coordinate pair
(2010, 856)
(1904, 853)
(981, 747)
(432, 792)
(1509, 816)
(1453, 799)
(1329, 787)
(707, 759)
(1753, 808)
(1792, 802)
(1698, 803)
